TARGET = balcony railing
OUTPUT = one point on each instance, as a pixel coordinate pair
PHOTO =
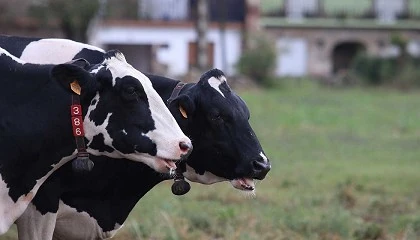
(379, 9)
(164, 10)
(174, 10)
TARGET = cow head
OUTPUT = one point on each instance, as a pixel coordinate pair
(124, 117)
(225, 145)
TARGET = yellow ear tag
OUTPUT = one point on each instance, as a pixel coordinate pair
(183, 113)
(75, 87)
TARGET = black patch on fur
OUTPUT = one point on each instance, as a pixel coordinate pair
(94, 56)
(36, 131)
(212, 73)
(15, 45)
(111, 53)
(98, 144)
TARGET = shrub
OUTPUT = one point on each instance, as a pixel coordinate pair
(379, 71)
(369, 232)
(373, 70)
(409, 76)
(259, 60)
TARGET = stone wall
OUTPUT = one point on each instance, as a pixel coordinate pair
(321, 43)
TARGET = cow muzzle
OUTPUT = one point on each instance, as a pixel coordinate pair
(186, 149)
(260, 167)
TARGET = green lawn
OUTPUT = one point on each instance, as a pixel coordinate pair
(346, 165)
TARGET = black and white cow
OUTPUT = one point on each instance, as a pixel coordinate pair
(209, 112)
(122, 115)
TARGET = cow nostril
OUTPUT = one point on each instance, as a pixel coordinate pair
(258, 166)
(184, 146)
(260, 169)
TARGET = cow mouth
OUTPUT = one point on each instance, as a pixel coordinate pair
(167, 164)
(244, 184)
(157, 162)
(170, 164)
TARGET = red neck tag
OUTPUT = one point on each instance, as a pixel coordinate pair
(77, 120)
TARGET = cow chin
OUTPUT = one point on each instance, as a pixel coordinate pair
(163, 165)
(159, 164)
(206, 178)
(243, 184)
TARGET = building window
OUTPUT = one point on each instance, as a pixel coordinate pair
(192, 54)
(388, 10)
(298, 9)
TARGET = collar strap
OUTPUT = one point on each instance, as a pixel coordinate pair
(180, 186)
(175, 92)
(82, 161)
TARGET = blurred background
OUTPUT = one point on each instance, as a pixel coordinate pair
(333, 87)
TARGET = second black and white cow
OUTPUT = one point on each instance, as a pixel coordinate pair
(122, 117)
(209, 112)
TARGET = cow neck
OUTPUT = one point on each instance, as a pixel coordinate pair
(180, 186)
(82, 161)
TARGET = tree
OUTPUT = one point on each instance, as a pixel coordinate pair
(201, 29)
(73, 16)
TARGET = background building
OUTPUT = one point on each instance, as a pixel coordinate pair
(321, 37)
(160, 35)
(315, 38)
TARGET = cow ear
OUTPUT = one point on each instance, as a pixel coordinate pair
(81, 62)
(212, 73)
(186, 106)
(72, 77)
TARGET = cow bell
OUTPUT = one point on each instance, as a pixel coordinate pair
(180, 187)
(82, 164)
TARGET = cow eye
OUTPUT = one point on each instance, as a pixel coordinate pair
(130, 90)
(132, 93)
(217, 118)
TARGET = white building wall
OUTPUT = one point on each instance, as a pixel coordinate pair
(292, 57)
(388, 9)
(297, 8)
(175, 56)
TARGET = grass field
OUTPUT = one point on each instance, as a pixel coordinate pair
(346, 165)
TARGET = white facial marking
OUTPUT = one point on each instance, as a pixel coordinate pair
(93, 106)
(91, 129)
(50, 47)
(215, 83)
(10, 210)
(264, 157)
(119, 68)
(96, 70)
